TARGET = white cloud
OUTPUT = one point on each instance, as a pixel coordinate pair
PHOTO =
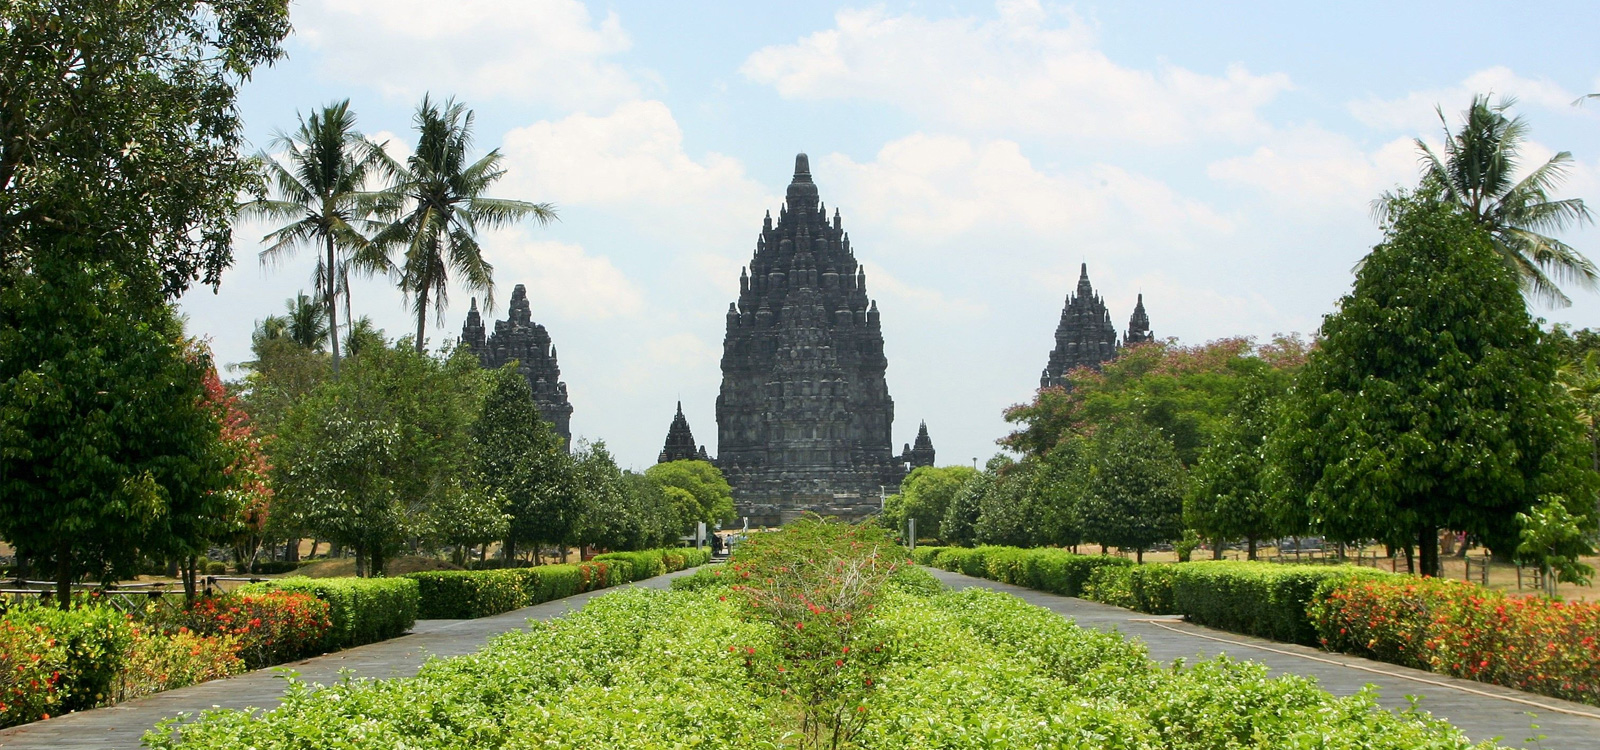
(1416, 112)
(925, 302)
(933, 186)
(561, 277)
(1309, 167)
(539, 50)
(1018, 73)
(633, 154)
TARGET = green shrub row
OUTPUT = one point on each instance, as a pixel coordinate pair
(1256, 598)
(364, 610)
(467, 594)
(655, 562)
(54, 661)
(1045, 568)
(961, 669)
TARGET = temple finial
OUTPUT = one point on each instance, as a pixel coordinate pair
(802, 166)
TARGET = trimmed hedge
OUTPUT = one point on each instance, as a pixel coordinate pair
(1045, 568)
(468, 594)
(364, 610)
(54, 661)
(654, 562)
(1256, 598)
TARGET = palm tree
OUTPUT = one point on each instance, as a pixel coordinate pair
(442, 197)
(306, 323)
(1478, 174)
(321, 193)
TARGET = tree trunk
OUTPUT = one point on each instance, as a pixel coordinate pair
(1138, 556)
(1428, 550)
(375, 570)
(565, 553)
(422, 316)
(1217, 548)
(361, 560)
(64, 576)
(1250, 547)
(293, 552)
(333, 305)
(1411, 562)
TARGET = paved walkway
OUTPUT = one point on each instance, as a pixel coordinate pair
(122, 725)
(1482, 711)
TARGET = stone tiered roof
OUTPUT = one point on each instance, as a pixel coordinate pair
(519, 338)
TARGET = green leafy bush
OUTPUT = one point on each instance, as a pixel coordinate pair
(54, 661)
(1045, 568)
(1152, 587)
(364, 610)
(1464, 630)
(654, 562)
(466, 594)
(1113, 585)
(706, 577)
(1255, 598)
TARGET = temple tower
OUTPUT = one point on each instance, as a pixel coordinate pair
(519, 338)
(680, 442)
(1085, 336)
(804, 414)
(919, 453)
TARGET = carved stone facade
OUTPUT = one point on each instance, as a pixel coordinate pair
(1085, 336)
(680, 442)
(519, 338)
(804, 415)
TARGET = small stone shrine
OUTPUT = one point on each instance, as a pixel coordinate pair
(519, 338)
(680, 442)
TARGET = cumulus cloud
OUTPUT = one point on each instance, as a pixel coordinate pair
(562, 278)
(549, 51)
(1316, 168)
(633, 154)
(1030, 70)
(930, 186)
(1416, 111)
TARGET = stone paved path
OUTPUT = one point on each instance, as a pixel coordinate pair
(1488, 711)
(122, 725)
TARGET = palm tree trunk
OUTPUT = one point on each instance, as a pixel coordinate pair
(422, 315)
(333, 304)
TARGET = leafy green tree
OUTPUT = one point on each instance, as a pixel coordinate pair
(658, 522)
(440, 197)
(322, 194)
(1478, 175)
(1135, 494)
(1228, 498)
(1432, 401)
(1006, 512)
(465, 517)
(1057, 495)
(608, 515)
(106, 448)
(364, 336)
(120, 135)
(339, 461)
(961, 517)
(697, 490)
(519, 459)
(925, 494)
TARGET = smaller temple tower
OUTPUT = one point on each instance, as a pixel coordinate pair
(919, 453)
(1085, 336)
(1138, 326)
(680, 442)
(528, 343)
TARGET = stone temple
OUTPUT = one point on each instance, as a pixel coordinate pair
(680, 442)
(1085, 336)
(804, 418)
(519, 338)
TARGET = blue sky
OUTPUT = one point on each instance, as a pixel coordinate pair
(1219, 158)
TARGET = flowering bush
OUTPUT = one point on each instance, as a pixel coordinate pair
(364, 610)
(1464, 630)
(268, 628)
(54, 661)
(160, 661)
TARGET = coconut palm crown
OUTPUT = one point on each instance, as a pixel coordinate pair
(1478, 174)
(440, 203)
(320, 182)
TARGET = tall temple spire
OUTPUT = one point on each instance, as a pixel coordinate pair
(919, 453)
(804, 417)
